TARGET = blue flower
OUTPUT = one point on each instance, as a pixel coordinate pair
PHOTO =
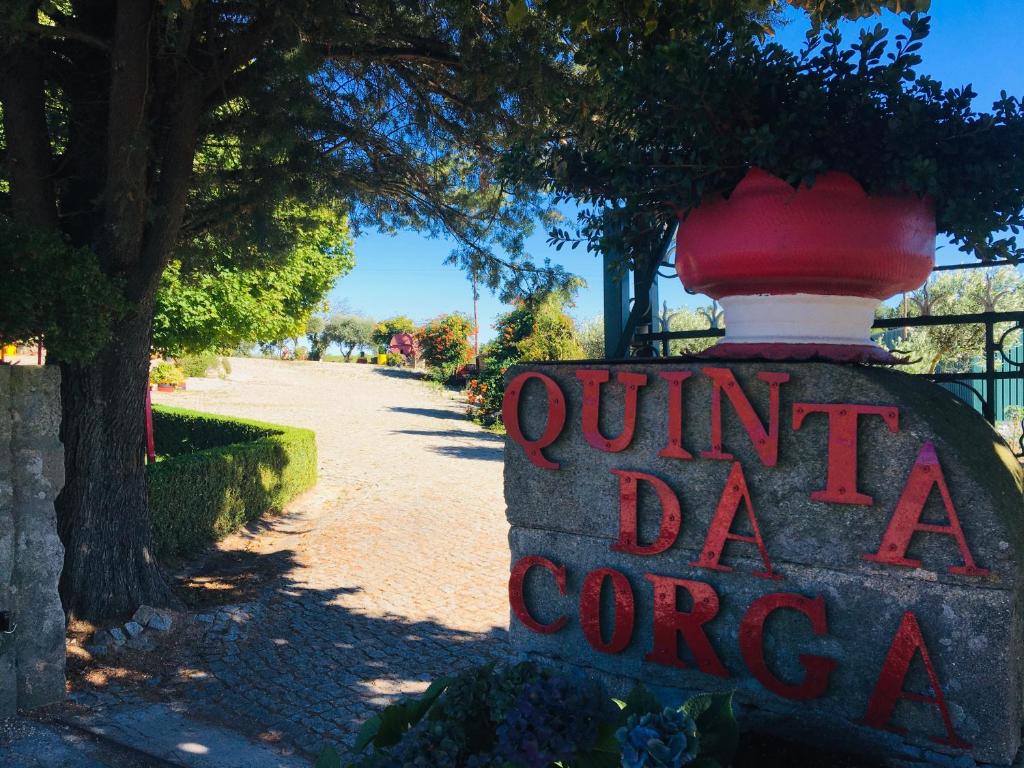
(553, 718)
(659, 740)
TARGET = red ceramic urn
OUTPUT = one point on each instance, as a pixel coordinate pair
(800, 272)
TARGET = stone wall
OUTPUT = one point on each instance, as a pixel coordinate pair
(31, 555)
(834, 599)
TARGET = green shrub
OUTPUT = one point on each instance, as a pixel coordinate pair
(219, 474)
(444, 345)
(396, 360)
(199, 364)
(530, 716)
(537, 329)
(167, 373)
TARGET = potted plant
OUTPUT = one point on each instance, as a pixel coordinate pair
(807, 186)
(167, 377)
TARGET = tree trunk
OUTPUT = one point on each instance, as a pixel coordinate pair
(103, 511)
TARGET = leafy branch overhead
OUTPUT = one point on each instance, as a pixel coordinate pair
(675, 101)
(396, 116)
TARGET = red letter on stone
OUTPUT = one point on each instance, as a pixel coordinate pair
(720, 532)
(841, 486)
(518, 602)
(815, 682)
(906, 519)
(592, 381)
(590, 610)
(556, 417)
(670, 622)
(671, 517)
(674, 449)
(889, 690)
(765, 443)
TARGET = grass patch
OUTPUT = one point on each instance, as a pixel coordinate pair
(219, 473)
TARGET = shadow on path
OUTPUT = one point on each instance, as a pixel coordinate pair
(485, 453)
(294, 665)
(400, 373)
(466, 434)
(434, 413)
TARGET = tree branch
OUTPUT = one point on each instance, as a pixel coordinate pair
(391, 53)
(29, 159)
(64, 32)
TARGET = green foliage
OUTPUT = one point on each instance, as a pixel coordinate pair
(386, 728)
(590, 334)
(349, 332)
(55, 291)
(236, 301)
(956, 348)
(385, 329)
(396, 360)
(716, 723)
(201, 364)
(531, 716)
(672, 106)
(686, 319)
(537, 329)
(219, 473)
(328, 758)
(444, 345)
(319, 341)
(167, 373)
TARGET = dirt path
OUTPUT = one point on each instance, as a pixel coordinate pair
(390, 573)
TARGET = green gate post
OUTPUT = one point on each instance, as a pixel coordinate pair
(616, 303)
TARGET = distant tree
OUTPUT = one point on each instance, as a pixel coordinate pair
(687, 319)
(385, 329)
(349, 332)
(537, 329)
(956, 348)
(590, 334)
(551, 333)
(319, 341)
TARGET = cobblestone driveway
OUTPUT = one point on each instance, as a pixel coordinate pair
(390, 573)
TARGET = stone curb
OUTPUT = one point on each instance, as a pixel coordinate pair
(166, 734)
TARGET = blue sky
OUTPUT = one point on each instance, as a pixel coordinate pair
(972, 41)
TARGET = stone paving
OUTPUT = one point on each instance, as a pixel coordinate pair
(391, 572)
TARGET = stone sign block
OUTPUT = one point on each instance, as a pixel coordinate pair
(840, 545)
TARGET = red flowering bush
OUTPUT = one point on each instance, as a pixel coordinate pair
(444, 345)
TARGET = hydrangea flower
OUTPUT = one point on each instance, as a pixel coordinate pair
(659, 740)
(553, 718)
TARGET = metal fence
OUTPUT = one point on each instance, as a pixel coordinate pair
(992, 386)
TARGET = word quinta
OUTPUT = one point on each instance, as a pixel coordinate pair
(673, 625)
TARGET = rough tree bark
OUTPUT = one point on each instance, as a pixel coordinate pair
(103, 511)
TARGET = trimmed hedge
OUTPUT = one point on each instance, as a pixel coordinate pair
(219, 473)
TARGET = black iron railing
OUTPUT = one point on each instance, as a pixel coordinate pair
(998, 364)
